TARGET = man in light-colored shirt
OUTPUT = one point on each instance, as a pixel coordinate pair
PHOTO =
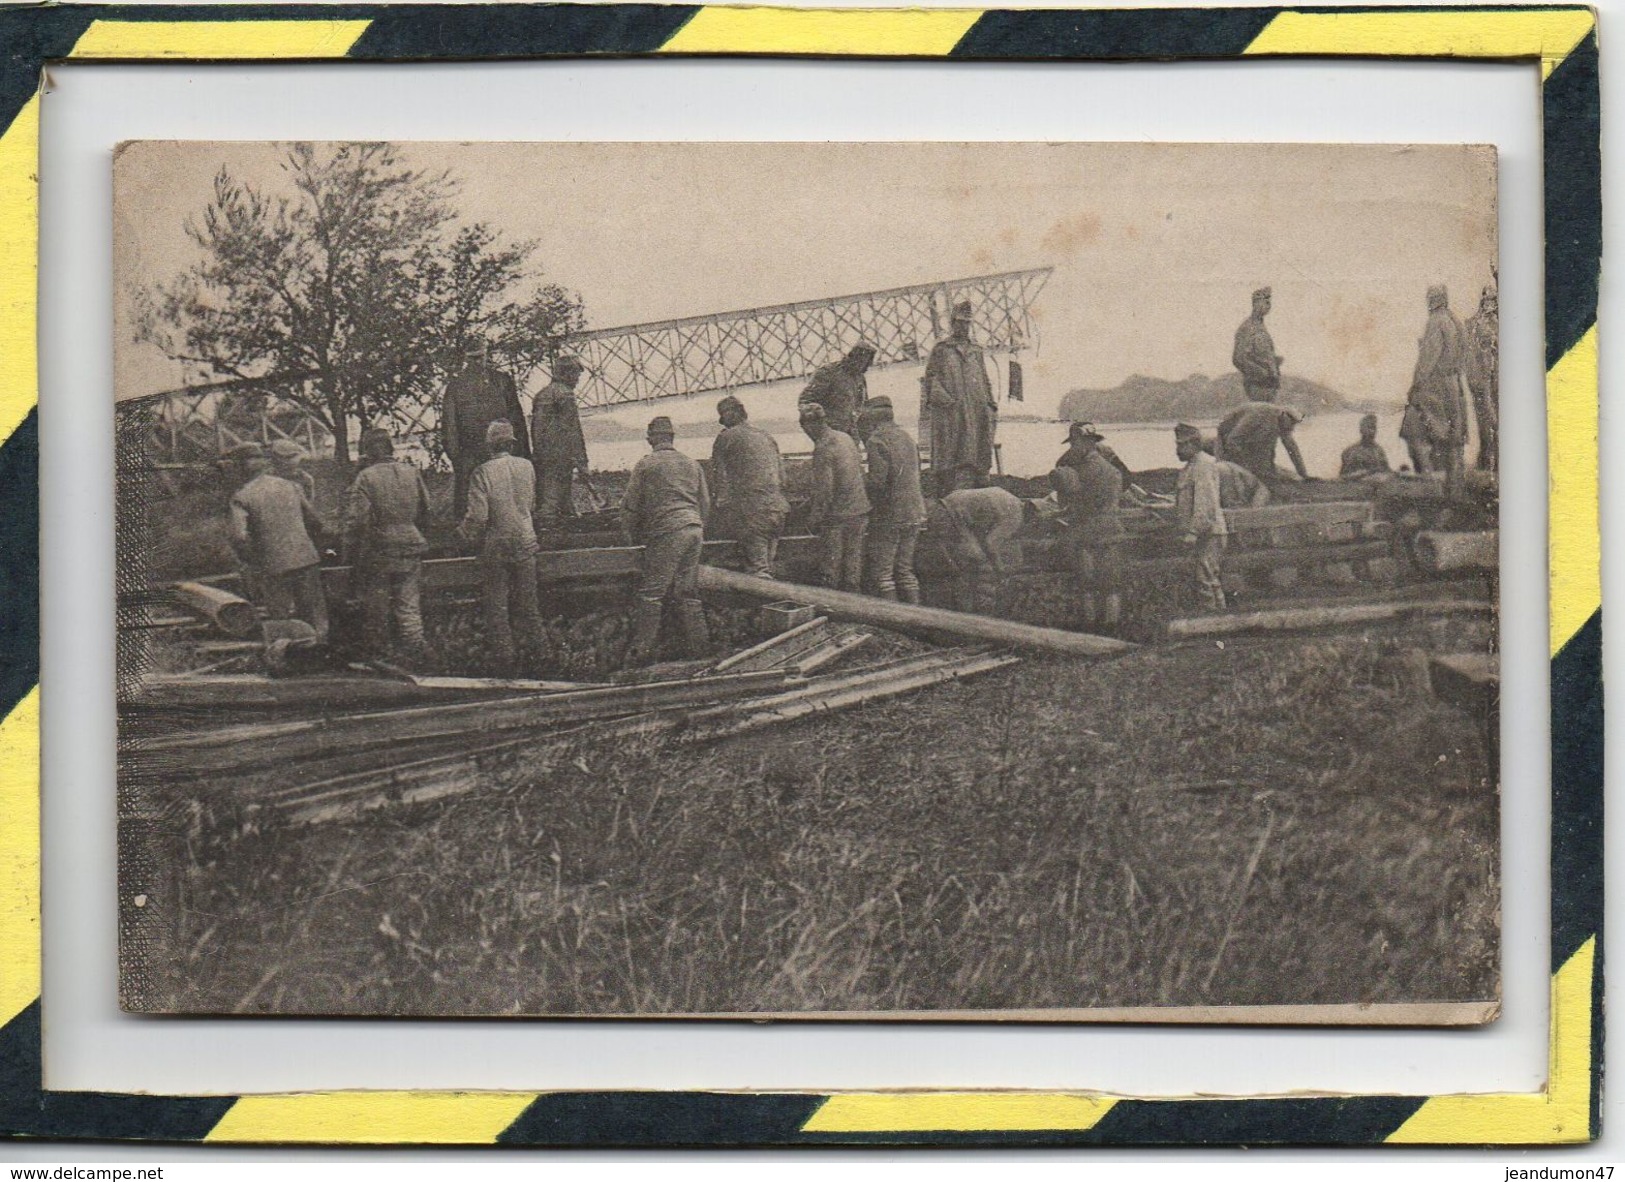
(665, 509)
(977, 529)
(839, 510)
(272, 526)
(1200, 502)
(501, 502)
(386, 514)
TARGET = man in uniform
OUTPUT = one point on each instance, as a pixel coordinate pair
(1201, 512)
(386, 514)
(501, 505)
(963, 415)
(1254, 353)
(841, 388)
(560, 447)
(1482, 369)
(1089, 487)
(1248, 435)
(273, 527)
(839, 509)
(1239, 488)
(477, 396)
(977, 529)
(664, 511)
(287, 461)
(747, 474)
(1435, 424)
(896, 504)
(1366, 458)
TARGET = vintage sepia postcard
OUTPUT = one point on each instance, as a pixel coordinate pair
(909, 581)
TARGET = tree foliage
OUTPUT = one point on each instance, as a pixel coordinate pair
(356, 276)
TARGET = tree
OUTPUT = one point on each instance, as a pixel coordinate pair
(357, 280)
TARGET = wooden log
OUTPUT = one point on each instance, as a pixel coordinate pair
(776, 650)
(1295, 619)
(232, 614)
(1321, 515)
(914, 618)
(265, 744)
(1439, 551)
(217, 692)
(837, 648)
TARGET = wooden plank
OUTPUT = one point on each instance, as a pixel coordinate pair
(1281, 516)
(776, 650)
(914, 618)
(837, 648)
(1309, 618)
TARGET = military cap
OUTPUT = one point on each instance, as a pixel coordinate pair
(963, 311)
(730, 403)
(1084, 431)
(1262, 293)
(880, 402)
(245, 451)
(375, 441)
(811, 412)
(287, 451)
(500, 431)
(1438, 295)
(661, 425)
(567, 364)
(1186, 431)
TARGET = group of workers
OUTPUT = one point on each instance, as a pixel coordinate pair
(513, 480)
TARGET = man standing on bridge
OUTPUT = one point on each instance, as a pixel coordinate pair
(560, 447)
(839, 509)
(1254, 353)
(664, 511)
(386, 516)
(477, 396)
(963, 414)
(841, 388)
(501, 504)
(747, 475)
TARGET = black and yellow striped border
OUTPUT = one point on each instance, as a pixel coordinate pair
(1561, 40)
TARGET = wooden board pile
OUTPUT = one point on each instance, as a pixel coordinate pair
(316, 759)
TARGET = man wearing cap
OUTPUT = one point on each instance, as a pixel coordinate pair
(839, 509)
(1254, 353)
(1364, 459)
(287, 461)
(665, 509)
(273, 525)
(477, 396)
(1089, 487)
(501, 505)
(386, 514)
(1435, 424)
(1248, 435)
(977, 529)
(747, 476)
(560, 447)
(1482, 369)
(963, 414)
(841, 387)
(1200, 506)
(896, 504)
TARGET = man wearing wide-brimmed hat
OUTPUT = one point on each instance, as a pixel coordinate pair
(560, 449)
(963, 416)
(1254, 352)
(1435, 424)
(747, 485)
(665, 509)
(841, 387)
(500, 517)
(896, 504)
(477, 396)
(1088, 487)
(385, 521)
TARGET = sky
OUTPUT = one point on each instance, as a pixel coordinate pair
(1156, 247)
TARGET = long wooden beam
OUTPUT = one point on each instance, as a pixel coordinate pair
(1296, 619)
(914, 618)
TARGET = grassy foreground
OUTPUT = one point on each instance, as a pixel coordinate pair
(1282, 821)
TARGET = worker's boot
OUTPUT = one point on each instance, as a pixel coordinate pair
(696, 636)
(645, 632)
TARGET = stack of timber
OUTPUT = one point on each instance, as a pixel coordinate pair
(804, 649)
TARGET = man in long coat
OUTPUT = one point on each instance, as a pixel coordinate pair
(1254, 353)
(1435, 424)
(963, 414)
(477, 396)
(560, 447)
(841, 388)
(1483, 373)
